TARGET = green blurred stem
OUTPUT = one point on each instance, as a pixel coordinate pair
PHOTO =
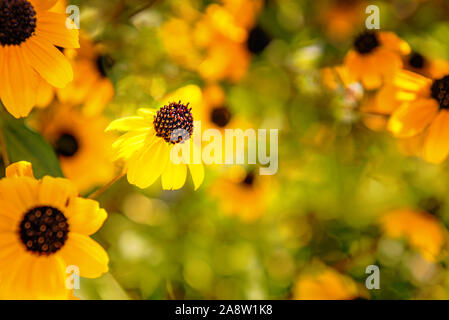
(100, 191)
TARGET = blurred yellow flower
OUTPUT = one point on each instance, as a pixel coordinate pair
(44, 228)
(422, 230)
(83, 148)
(341, 18)
(29, 35)
(150, 138)
(91, 86)
(375, 57)
(325, 284)
(215, 45)
(243, 193)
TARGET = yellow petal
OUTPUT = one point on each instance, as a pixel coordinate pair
(197, 172)
(45, 93)
(174, 176)
(145, 167)
(412, 118)
(47, 278)
(48, 61)
(85, 216)
(83, 252)
(43, 4)
(436, 147)
(52, 27)
(57, 192)
(129, 123)
(20, 169)
(19, 83)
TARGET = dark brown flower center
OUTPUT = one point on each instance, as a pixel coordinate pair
(174, 123)
(104, 63)
(249, 179)
(220, 116)
(366, 42)
(440, 91)
(257, 40)
(44, 230)
(17, 21)
(416, 60)
(67, 145)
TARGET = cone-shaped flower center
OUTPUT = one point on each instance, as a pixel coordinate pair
(440, 91)
(366, 42)
(66, 145)
(44, 230)
(220, 116)
(17, 21)
(174, 123)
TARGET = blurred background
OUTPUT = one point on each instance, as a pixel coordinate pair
(347, 194)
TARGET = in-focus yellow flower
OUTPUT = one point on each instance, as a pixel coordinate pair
(153, 137)
(29, 34)
(422, 230)
(325, 284)
(242, 193)
(424, 109)
(83, 148)
(376, 56)
(44, 228)
(91, 86)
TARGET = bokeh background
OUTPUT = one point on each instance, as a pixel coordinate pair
(347, 195)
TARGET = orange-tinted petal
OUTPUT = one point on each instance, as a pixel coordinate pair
(412, 118)
(436, 147)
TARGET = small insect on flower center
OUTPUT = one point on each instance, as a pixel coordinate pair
(44, 230)
(416, 60)
(366, 42)
(17, 21)
(220, 116)
(174, 123)
(67, 145)
(440, 91)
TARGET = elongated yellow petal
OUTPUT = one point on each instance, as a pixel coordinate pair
(83, 252)
(20, 169)
(145, 167)
(174, 176)
(436, 147)
(48, 61)
(85, 216)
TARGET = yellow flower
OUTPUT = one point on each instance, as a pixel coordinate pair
(83, 148)
(324, 284)
(341, 18)
(216, 45)
(91, 86)
(154, 136)
(44, 228)
(29, 34)
(242, 193)
(422, 230)
(375, 57)
(424, 109)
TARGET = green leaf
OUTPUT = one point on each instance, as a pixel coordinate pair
(24, 144)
